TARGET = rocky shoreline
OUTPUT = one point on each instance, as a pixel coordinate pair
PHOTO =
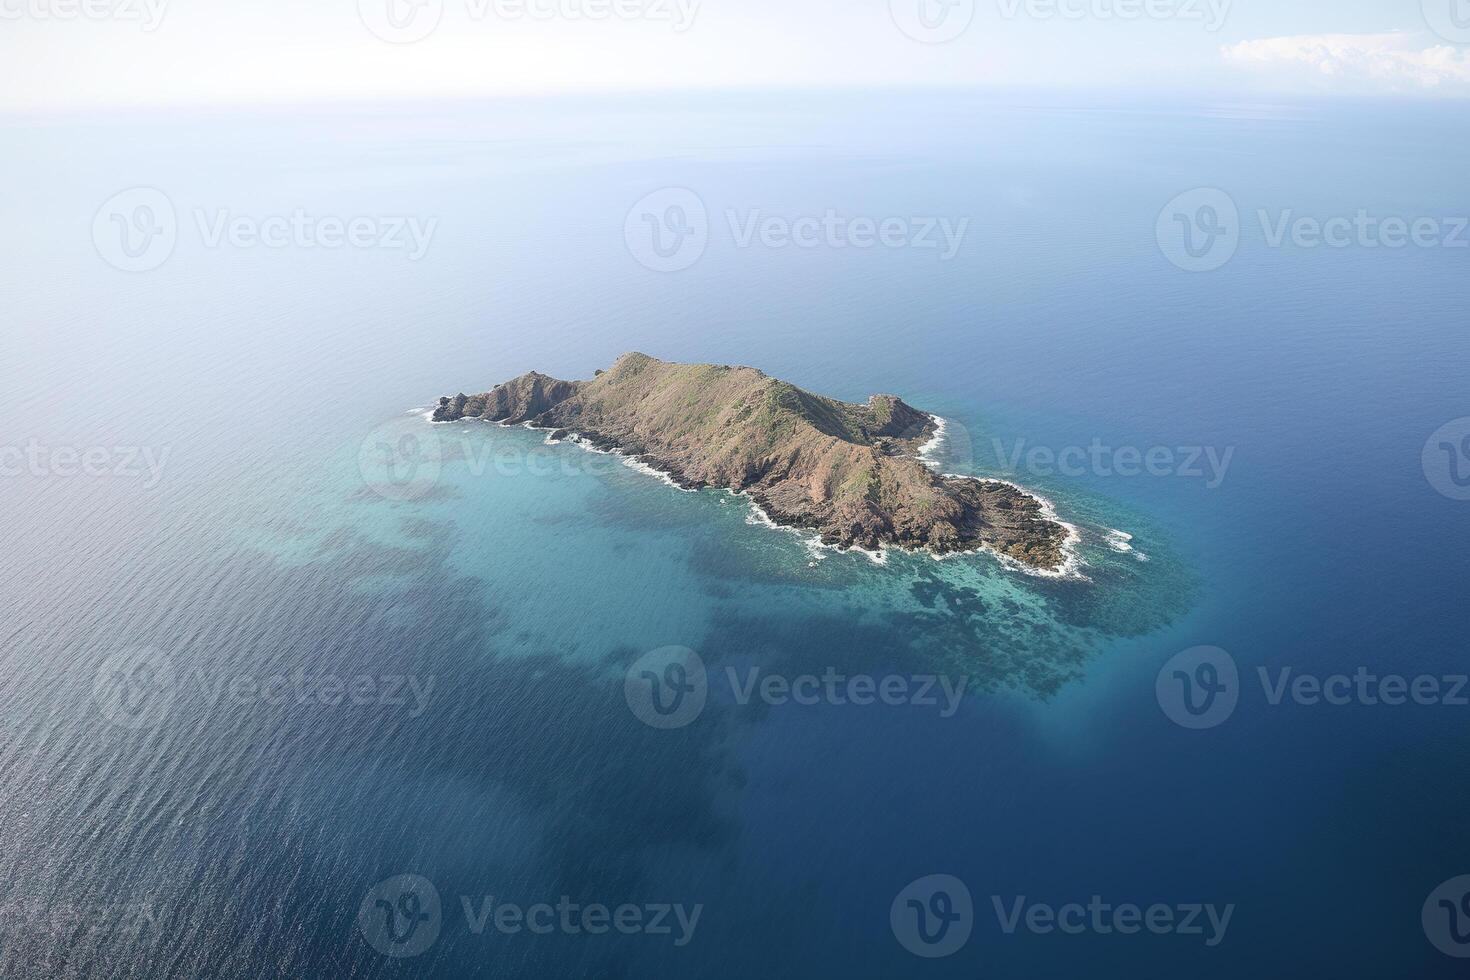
(851, 474)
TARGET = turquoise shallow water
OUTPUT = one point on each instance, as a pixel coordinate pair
(536, 523)
(245, 832)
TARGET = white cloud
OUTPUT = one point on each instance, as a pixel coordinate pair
(1396, 61)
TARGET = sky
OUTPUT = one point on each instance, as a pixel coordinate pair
(70, 54)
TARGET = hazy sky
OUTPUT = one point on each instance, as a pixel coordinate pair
(109, 52)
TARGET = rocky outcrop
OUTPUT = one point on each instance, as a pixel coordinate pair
(849, 472)
(520, 400)
(889, 417)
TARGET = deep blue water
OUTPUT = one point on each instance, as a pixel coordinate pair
(222, 835)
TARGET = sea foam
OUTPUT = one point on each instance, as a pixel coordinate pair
(929, 451)
(1122, 543)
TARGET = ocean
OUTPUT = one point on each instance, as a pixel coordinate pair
(273, 642)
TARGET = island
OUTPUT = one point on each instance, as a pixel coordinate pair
(851, 473)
